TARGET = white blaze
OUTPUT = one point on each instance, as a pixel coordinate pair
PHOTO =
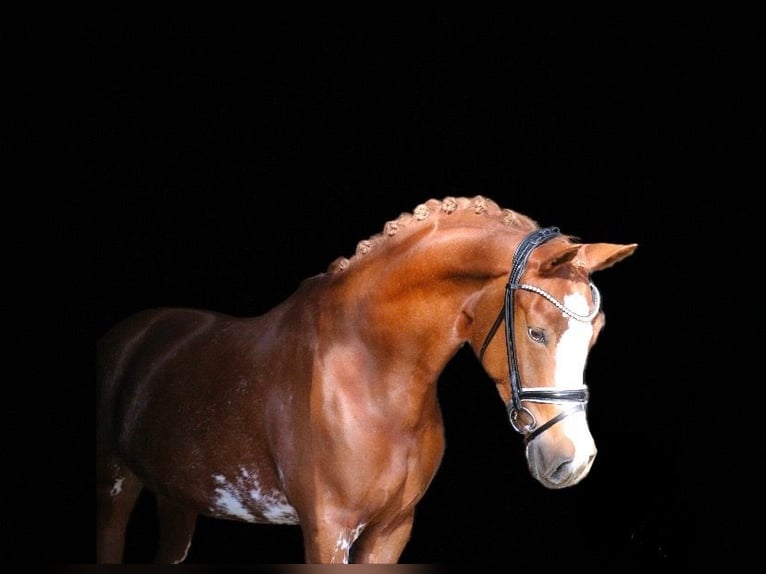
(543, 455)
(571, 355)
(572, 348)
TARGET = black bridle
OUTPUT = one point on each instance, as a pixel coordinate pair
(538, 394)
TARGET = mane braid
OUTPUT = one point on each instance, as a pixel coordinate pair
(478, 205)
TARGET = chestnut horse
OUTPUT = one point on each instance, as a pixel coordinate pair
(323, 411)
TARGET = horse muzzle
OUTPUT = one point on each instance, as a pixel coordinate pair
(562, 457)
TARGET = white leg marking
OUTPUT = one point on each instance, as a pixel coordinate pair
(346, 539)
(186, 553)
(117, 487)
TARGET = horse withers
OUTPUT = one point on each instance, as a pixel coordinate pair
(323, 411)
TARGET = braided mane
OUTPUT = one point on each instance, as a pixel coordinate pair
(449, 206)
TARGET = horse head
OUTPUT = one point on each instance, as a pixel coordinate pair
(552, 316)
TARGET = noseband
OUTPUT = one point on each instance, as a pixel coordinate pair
(537, 394)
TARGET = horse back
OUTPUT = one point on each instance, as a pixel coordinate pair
(139, 343)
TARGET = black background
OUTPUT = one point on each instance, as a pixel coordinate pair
(217, 159)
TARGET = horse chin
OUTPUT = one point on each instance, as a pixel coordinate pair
(558, 482)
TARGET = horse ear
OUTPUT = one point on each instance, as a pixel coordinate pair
(591, 256)
(598, 256)
(558, 258)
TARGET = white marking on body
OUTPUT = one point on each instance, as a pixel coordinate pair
(117, 487)
(246, 499)
(228, 501)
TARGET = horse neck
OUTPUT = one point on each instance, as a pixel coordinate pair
(414, 299)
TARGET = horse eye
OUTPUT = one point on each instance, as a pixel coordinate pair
(537, 335)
